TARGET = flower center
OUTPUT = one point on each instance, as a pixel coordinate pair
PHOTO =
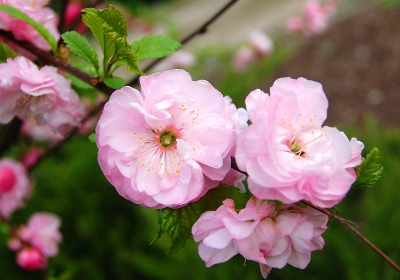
(167, 138)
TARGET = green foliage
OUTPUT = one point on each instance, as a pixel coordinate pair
(92, 137)
(95, 24)
(81, 47)
(6, 52)
(369, 171)
(177, 223)
(114, 82)
(109, 28)
(155, 46)
(214, 198)
(390, 3)
(82, 88)
(15, 13)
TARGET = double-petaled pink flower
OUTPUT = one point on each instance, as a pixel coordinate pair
(314, 18)
(272, 236)
(37, 241)
(22, 30)
(15, 186)
(40, 96)
(287, 154)
(168, 144)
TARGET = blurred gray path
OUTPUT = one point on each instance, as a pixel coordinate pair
(246, 15)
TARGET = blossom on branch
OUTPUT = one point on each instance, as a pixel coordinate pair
(287, 154)
(22, 30)
(37, 241)
(15, 186)
(261, 232)
(258, 45)
(41, 96)
(168, 144)
(314, 19)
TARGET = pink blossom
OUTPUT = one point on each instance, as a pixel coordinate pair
(72, 14)
(243, 58)
(257, 46)
(40, 96)
(31, 259)
(287, 154)
(314, 18)
(42, 233)
(167, 145)
(31, 157)
(22, 30)
(14, 186)
(260, 232)
(180, 59)
(262, 43)
(41, 133)
(299, 233)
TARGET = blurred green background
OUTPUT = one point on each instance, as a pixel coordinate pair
(107, 237)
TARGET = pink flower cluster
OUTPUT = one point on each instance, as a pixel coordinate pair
(272, 236)
(15, 186)
(168, 144)
(37, 241)
(22, 30)
(41, 96)
(258, 45)
(314, 19)
(287, 154)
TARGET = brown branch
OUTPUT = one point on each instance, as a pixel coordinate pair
(48, 58)
(201, 30)
(356, 232)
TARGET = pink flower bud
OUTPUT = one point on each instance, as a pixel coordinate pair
(31, 259)
(7, 179)
(14, 186)
(30, 158)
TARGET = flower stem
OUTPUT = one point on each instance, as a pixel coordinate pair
(200, 30)
(356, 232)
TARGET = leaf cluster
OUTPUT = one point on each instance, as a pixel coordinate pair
(369, 171)
(177, 223)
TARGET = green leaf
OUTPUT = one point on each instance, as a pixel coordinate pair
(177, 223)
(92, 137)
(126, 55)
(6, 52)
(78, 83)
(155, 46)
(109, 27)
(95, 24)
(214, 198)
(15, 13)
(81, 47)
(114, 82)
(369, 171)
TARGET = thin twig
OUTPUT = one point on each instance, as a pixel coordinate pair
(51, 59)
(201, 30)
(356, 232)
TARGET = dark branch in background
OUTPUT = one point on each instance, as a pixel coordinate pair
(356, 232)
(201, 30)
(9, 134)
(48, 58)
(61, 24)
